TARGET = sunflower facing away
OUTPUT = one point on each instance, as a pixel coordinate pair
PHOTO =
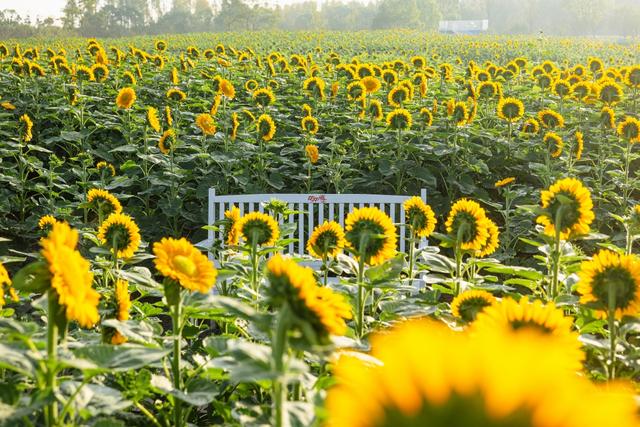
(290, 283)
(106, 166)
(266, 127)
(119, 232)
(327, 240)
(153, 120)
(167, 141)
(611, 273)
(371, 234)
(310, 124)
(104, 201)
(182, 262)
(504, 182)
(554, 144)
(550, 119)
(231, 236)
(420, 216)
(176, 94)
(573, 210)
(531, 127)
(468, 224)
(71, 276)
(608, 118)
(421, 373)
(400, 119)
(123, 305)
(5, 284)
(46, 222)
(126, 98)
(510, 109)
(264, 97)
(468, 304)
(26, 128)
(258, 228)
(629, 129)
(492, 242)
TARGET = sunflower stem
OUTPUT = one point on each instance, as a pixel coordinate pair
(626, 191)
(177, 332)
(360, 323)
(325, 269)
(458, 255)
(612, 331)
(278, 349)
(254, 266)
(556, 266)
(51, 413)
(412, 248)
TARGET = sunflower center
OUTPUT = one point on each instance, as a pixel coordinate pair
(185, 265)
(617, 280)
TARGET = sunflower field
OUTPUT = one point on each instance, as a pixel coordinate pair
(523, 308)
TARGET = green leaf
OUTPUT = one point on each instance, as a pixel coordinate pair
(386, 271)
(34, 278)
(121, 358)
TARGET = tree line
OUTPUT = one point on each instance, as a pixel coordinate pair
(116, 18)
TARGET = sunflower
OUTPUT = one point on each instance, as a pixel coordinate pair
(167, 141)
(468, 224)
(71, 276)
(266, 127)
(176, 94)
(581, 90)
(327, 240)
(460, 113)
(371, 84)
(104, 200)
(487, 89)
(397, 96)
(26, 128)
(46, 222)
(123, 305)
(399, 119)
(421, 373)
(608, 118)
(5, 282)
(251, 85)
(175, 77)
(231, 216)
(609, 92)
(310, 124)
(217, 100)
(84, 73)
(629, 129)
(579, 144)
(420, 216)
(258, 228)
(311, 151)
(235, 125)
(206, 124)
(371, 234)
(264, 96)
(375, 109)
(100, 71)
(468, 304)
(492, 242)
(179, 260)
(562, 88)
(168, 116)
(160, 45)
(390, 77)
(427, 116)
(108, 166)
(315, 86)
(227, 89)
(510, 109)
(610, 273)
(335, 86)
(632, 79)
(505, 181)
(119, 232)
(550, 119)
(554, 142)
(356, 91)
(126, 97)
(523, 314)
(7, 106)
(153, 120)
(574, 209)
(320, 307)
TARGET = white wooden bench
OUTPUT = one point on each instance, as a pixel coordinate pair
(313, 210)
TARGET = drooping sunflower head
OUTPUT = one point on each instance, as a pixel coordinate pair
(371, 234)
(629, 129)
(468, 304)
(321, 308)
(26, 128)
(504, 182)
(258, 228)
(227, 89)
(550, 119)
(175, 94)
(547, 320)
(608, 118)
(264, 97)
(46, 223)
(371, 84)
(356, 91)
(398, 96)
(103, 201)
(460, 113)
(421, 373)
(126, 98)
(609, 92)
(315, 86)
(399, 118)
(312, 153)
(206, 124)
(179, 260)
(103, 166)
(153, 120)
(531, 127)
(120, 234)
(579, 147)
(327, 240)
(71, 275)
(310, 124)
(266, 127)
(554, 143)
(510, 109)
(610, 275)
(427, 116)
(569, 203)
(167, 141)
(160, 45)
(420, 216)
(251, 85)
(468, 225)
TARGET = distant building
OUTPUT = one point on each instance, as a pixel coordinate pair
(464, 27)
